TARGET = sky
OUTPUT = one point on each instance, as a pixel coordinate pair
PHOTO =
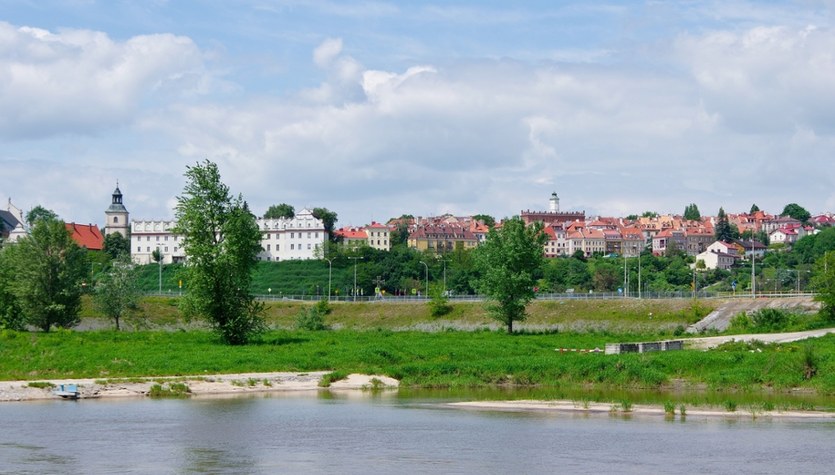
(374, 109)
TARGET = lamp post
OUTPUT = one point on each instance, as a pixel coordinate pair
(330, 269)
(355, 259)
(753, 276)
(427, 277)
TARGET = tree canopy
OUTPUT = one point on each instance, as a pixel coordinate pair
(221, 243)
(691, 212)
(328, 218)
(282, 210)
(49, 268)
(38, 213)
(797, 212)
(754, 208)
(508, 262)
(116, 245)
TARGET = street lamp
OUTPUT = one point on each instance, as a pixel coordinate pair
(355, 274)
(330, 268)
(427, 277)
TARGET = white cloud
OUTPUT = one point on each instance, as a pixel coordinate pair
(81, 81)
(326, 52)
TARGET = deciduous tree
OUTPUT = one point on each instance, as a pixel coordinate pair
(508, 262)
(221, 243)
(38, 213)
(48, 269)
(282, 210)
(115, 245)
(797, 212)
(116, 292)
(328, 218)
(824, 284)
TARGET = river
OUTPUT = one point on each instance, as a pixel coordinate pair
(385, 433)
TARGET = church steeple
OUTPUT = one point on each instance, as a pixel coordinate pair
(116, 215)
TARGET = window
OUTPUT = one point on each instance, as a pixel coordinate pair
(268, 247)
(292, 246)
(157, 238)
(175, 249)
(138, 248)
(292, 235)
(166, 248)
(148, 249)
(166, 238)
(309, 234)
(115, 219)
(147, 238)
(308, 246)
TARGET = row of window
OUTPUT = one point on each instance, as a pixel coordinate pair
(293, 235)
(148, 249)
(293, 247)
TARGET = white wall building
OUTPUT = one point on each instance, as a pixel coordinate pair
(282, 239)
(297, 238)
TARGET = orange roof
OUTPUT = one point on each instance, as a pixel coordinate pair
(86, 235)
(351, 233)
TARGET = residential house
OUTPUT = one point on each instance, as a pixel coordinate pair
(442, 238)
(717, 260)
(588, 241)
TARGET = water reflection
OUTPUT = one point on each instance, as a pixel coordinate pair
(354, 432)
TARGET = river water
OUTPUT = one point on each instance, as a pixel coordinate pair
(386, 433)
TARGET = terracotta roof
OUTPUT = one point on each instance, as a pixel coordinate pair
(351, 233)
(86, 235)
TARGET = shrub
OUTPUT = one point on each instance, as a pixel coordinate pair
(669, 408)
(171, 390)
(41, 384)
(329, 378)
(770, 319)
(311, 318)
(438, 304)
(810, 362)
(740, 322)
(730, 406)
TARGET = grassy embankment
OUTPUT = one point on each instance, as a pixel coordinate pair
(445, 358)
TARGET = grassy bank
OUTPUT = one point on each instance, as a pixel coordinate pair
(646, 316)
(421, 359)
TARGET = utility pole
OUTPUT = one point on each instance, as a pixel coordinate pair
(330, 269)
(355, 274)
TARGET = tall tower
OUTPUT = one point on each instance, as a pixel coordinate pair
(117, 215)
(555, 203)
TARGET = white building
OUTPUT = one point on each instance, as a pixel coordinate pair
(296, 238)
(282, 239)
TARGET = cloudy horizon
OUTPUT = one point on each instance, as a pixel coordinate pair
(374, 109)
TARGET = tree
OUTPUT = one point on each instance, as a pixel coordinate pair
(824, 284)
(221, 241)
(328, 217)
(488, 220)
(722, 228)
(754, 208)
(649, 214)
(797, 212)
(11, 317)
(508, 261)
(282, 210)
(39, 212)
(116, 291)
(691, 212)
(115, 245)
(48, 267)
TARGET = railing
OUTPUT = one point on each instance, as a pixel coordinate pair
(539, 296)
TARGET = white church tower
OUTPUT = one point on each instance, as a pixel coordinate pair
(117, 216)
(554, 203)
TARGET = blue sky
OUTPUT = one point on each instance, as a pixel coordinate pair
(374, 109)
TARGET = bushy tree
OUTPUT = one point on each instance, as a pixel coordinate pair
(488, 220)
(40, 213)
(754, 208)
(508, 262)
(797, 212)
(691, 212)
(116, 292)
(48, 269)
(328, 218)
(116, 245)
(221, 243)
(282, 210)
(11, 316)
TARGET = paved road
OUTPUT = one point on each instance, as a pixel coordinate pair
(713, 341)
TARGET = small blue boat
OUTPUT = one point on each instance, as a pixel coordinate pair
(67, 391)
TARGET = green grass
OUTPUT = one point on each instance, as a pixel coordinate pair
(418, 359)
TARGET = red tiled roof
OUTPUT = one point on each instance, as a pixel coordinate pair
(351, 233)
(86, 235)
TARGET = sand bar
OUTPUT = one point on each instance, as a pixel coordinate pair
(197, 385)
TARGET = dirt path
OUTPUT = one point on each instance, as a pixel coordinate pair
(714, 341)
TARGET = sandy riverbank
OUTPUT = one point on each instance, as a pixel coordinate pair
(636, 409)
(197, 385)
